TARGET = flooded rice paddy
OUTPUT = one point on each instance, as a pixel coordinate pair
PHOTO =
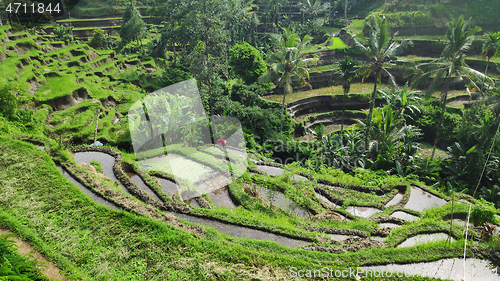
(221, 198)
(420, 200)
(364, 212)
(423, 238)
(395, 200)
(404, 216)
(278, 199)
(142, 186)
(96, 198)
(452, 269)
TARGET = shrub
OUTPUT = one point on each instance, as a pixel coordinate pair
(174, 75)
(246, 62)
(483, 213)
(100, 40)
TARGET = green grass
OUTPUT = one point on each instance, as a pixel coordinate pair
(333, 43)
(91, 242)
(334, 90)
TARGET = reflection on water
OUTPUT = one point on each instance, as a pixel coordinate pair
(277, 198)
(395, 200)
(243, 232)
(446, 269)
(364, 212)
(142, 186)
(275, 171)
(404, 216)
(423, 238)
(169, 187)
(96, 198)
(107, 161)
(270, 170)
(193, 203)
(220, 198)
(321, 197)
(420, 200)
(341, 237)
(386, 224)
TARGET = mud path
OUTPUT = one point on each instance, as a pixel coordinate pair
(51, 271)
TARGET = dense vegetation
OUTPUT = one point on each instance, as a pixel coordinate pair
(349, 103)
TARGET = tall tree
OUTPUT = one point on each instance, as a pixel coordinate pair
(133, 27)
(451, 65)
(380, 47)
(286, 64)
(344, 75)
(491, 47)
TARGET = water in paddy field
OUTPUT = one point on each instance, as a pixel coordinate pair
(142, 186)
(420, 200)
(221, 198)
(394, 200)
(364, 212)
(321, 197)
(107, 161)
(243, 232)
(453, 269)
(423, 238)
(96, 198)
(278, 199)
(404, 216)
(386, 224)
(341, 237)
(193, 203)
(275, 171)
(270, 170)
(169, 187)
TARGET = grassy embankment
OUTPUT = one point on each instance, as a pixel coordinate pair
(93, 242)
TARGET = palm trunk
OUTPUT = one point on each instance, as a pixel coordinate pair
(372, 104)
(175, 55)
(487, 64)
(345, 12)
(443, 107)
(283, 111)
(342, 123)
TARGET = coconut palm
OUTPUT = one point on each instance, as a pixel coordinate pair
(379, 46)
(491, 47)
(451, 65)
(344, 75)
(313, 7)
(286, 64)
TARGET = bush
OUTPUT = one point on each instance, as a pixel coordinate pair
(174, 75)
(100, 40)
(483, 213)
(246, 62)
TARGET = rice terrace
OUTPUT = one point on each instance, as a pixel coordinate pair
(249, 140)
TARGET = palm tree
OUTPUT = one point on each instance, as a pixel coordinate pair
(286, 63)
(313, 7)
(451, 64)
(344, 75)
(491, 47)
(380, 47)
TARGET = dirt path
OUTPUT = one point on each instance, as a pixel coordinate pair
(52, 272)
